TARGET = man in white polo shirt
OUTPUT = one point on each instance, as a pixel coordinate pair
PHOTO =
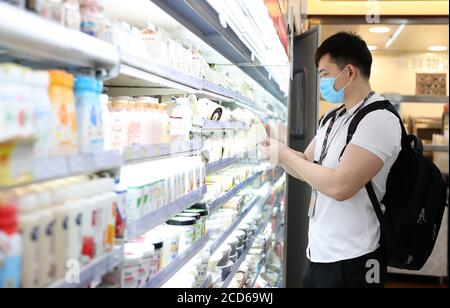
(344, 232)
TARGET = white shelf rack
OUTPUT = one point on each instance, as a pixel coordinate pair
(241, 259)
(213, 206)
(91, 272)
(162, 277)
(27, 36)
(154, 219)
(226, 234)
(52, 168)
(138, 154)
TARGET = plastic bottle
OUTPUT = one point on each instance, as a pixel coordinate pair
(42, 114)
(157, 124)
(145, 116)
(34, 5)
(92, 16)
(100, 133)
(135, 124)
(106, 122)
(8, 85)
(26, 103)
(165, 123)
(88, 114)
(16, 105)
(71, 17)
(156, 261)
(142, 246)
(10, 248)
(119, 122)
(63, 113)
(130, 179)
(29, 229)
(89, 204)
(55, 10)
(100, 208)
(46, 235)
(148, 252)
(85, 88)
(110, 214)
(121, 194)
(170, 249)
(75, 219)
(149, 118)
(181, 120)
(130, 271)
(132, 197)
(60, 194)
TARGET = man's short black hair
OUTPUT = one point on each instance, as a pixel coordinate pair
(347, 48)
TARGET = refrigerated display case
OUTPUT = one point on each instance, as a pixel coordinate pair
(201, 155)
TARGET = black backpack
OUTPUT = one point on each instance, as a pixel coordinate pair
(415, 200)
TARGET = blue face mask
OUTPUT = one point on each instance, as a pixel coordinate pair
(329, 93)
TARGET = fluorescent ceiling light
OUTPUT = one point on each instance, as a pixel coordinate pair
(395, 35)
(437, 48)
(379, 30)
(372, 47)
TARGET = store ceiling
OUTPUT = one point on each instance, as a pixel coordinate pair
(414, 38)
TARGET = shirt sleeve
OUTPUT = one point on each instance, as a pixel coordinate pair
(379, 133)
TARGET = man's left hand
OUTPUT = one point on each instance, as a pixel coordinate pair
(273, 150)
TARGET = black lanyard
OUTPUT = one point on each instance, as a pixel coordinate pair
(326, 146)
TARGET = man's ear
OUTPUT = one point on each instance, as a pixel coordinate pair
(351, 70)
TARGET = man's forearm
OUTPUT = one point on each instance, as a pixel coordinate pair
(288, 167)
(321, 178)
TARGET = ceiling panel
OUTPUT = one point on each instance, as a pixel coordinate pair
(414, 38)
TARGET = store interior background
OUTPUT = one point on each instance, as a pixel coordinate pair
(413, 27)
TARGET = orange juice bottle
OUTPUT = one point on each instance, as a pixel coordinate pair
(65, 140)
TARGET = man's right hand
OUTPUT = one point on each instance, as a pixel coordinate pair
(277, 131)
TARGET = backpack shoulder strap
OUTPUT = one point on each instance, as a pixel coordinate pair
(380, 105)
(329, 115)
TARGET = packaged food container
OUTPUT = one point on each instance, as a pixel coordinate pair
(185, 226)
(226, 270)
(203, 216)
(232, 241)
(156, 262)
(225, 250)
(198, 224)
(214, 261)
(240, 235)
(239, 250)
